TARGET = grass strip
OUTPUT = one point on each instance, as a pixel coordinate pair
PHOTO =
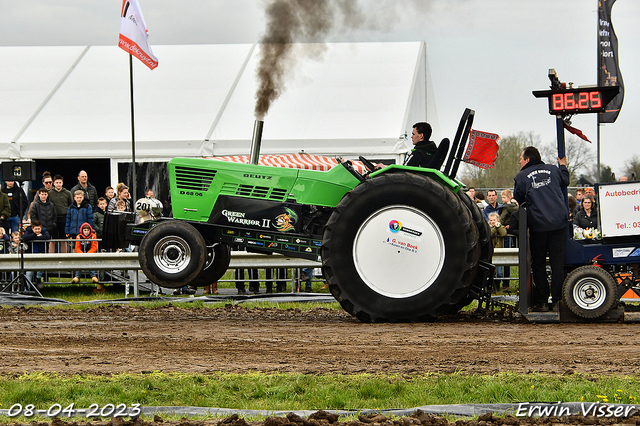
(260, 391)
(83, 292)
(196, 304)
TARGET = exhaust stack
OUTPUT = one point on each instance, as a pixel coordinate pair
(256, 141)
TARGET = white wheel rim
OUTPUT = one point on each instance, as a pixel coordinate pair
(589, 293)
(172, 254)
(398, 251)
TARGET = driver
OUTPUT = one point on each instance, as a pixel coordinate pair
(423, 148)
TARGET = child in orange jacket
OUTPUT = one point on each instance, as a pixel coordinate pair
(85, 245)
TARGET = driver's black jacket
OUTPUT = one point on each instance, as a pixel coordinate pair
(540, 186)
(421, 154)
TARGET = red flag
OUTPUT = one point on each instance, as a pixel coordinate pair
(134, 36)
(576, 132)
(482, 150)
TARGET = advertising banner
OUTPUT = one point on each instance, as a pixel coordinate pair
(608, 69)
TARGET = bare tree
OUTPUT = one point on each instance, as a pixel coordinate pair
(580, 157)
(632, 167)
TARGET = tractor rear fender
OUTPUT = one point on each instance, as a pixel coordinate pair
(454, 184)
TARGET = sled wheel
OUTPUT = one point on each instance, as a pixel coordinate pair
(172, 254)
(399, 247)
(215, 265)
(589, 291)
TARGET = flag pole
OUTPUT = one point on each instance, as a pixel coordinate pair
(134, 39)
(598, 80)
(133, 134)
(599, 174)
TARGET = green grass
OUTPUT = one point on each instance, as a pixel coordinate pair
(61, 288)
(259, 391)
(304, 306)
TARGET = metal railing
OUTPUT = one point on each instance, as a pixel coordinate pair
(129, 261)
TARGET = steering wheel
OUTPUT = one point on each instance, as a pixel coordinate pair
(349, 166)
(368, 164)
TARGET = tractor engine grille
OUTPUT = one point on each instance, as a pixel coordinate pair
(277, 194)
(194, 179)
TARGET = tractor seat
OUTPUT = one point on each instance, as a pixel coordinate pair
(439, 156)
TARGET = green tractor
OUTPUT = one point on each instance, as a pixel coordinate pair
(397, 244)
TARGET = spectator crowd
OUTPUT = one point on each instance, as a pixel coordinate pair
(61, 220)
(58, 219)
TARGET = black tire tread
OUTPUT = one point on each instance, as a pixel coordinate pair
(486, 252)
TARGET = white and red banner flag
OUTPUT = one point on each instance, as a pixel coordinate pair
(134, 36)
(482, 150)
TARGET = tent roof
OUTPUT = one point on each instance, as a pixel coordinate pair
(74, 102)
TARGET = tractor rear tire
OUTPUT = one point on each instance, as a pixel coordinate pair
(172, 254)
(589, 292)
(400, 247)
(484, 230)
(486, 253)
(215, 265)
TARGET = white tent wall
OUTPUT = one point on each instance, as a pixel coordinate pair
(28, 77)
(417, 108)
(73, 102)
(174, 105)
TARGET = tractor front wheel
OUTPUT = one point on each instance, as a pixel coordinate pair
(172, 254)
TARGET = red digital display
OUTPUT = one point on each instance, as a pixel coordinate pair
(580, 101)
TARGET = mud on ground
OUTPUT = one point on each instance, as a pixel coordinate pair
(319, 341)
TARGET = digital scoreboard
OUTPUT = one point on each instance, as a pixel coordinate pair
(583, 100)
(578, 101)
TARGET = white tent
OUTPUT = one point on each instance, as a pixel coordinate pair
(73, 102)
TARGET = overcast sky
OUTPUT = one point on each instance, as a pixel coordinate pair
(487, 55)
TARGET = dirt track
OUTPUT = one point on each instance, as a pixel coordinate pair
(122, 338)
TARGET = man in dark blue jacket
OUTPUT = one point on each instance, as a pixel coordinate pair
(539, 187)
(77, 214)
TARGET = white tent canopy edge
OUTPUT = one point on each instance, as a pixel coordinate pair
(73, 102)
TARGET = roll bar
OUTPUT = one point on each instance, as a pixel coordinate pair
(459, 143)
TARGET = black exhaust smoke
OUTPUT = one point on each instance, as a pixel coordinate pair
(289, 22)
(311, 21)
